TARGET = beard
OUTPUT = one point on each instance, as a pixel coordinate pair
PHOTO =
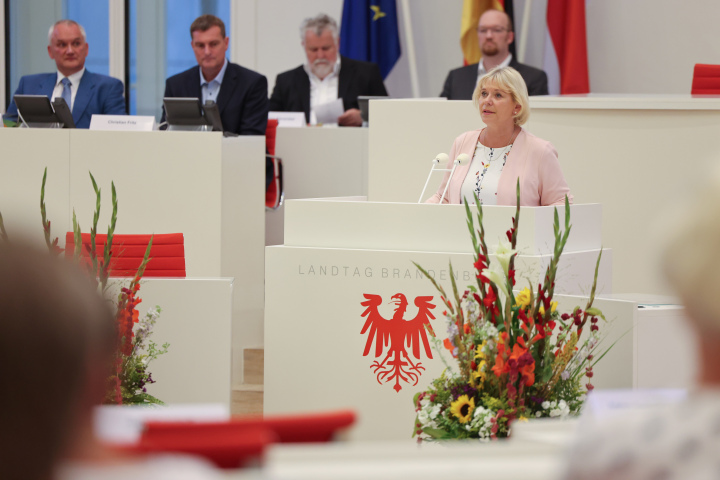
(321, 68)
(490, 49)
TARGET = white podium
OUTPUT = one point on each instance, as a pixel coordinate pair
(337, 251)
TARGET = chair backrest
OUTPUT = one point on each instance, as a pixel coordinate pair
(270, 135)
(167, 254)
(227, 448)
(706, 80)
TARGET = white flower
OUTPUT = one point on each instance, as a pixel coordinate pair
(495, 277)
(565, 375)
(434, 412)
(562, 405)
(538, 414)
(545, 405)
(503, 253)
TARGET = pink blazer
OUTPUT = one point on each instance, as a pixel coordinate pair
(531, 159)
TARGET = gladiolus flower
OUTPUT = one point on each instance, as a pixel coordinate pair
(504, 253)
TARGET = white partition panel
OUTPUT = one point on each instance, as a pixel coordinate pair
(203, 185)
(167, 182)
(196, 321)
(24, 155)
(319, 162)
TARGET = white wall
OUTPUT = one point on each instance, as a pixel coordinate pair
(634, 46)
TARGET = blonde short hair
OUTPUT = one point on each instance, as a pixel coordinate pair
(508, 79)
(691, 258)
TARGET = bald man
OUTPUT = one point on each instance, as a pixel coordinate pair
(495, 34)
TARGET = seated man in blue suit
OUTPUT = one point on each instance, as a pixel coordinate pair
(85, 93)
(240, 93)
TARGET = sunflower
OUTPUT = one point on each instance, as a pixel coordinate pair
(479, 374)
(463, 408)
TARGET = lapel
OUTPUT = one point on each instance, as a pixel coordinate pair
(303, 91)
(469, 81)
(227, 87)
(346, 75)
(47, 84)
(83, 95)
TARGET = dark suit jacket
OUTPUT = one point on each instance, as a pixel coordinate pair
(460, 83)
(292, 88)
(95, 94)
(242, 101)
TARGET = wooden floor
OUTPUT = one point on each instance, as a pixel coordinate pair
(247, 399)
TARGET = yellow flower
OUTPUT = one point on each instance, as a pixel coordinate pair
(463, 408)
(479, 350)
(553, 307)
(522, 299)
(479, 374)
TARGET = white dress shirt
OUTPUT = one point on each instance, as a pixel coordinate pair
(322, 91)
(74, 84)
(481, 67)
(211, 89)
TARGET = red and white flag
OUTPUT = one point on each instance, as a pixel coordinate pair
(565, 58)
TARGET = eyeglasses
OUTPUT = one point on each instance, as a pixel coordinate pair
(493, 30)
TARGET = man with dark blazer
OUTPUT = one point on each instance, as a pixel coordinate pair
(495, 34)
(85, 93)
(240, 93)
(326, 76)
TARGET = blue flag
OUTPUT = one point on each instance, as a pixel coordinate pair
(369, 32)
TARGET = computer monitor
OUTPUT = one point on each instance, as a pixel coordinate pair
(189, 114)
(37, 112)
(364, 102)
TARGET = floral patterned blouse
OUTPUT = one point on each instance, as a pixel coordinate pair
(484, 174)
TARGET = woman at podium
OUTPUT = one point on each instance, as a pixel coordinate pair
(503, 151)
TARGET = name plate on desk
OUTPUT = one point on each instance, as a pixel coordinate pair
(134, 123)
(288, 119)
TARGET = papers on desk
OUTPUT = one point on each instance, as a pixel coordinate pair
(329, 112)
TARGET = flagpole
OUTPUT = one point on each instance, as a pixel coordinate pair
(524, 31)
(410, 49)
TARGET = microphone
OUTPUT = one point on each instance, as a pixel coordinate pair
(461, 159)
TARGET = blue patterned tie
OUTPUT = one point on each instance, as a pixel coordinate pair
(66, 95)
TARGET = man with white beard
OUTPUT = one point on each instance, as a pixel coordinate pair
(326, 76)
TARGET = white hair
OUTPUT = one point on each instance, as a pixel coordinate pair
(318, 25)
(69, 23)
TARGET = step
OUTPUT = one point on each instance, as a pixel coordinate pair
(253, 366)
(247, 399)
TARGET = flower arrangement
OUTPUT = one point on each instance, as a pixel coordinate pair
(134, 350)
(517, 356)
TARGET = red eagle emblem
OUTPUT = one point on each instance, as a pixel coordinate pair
(400, 335)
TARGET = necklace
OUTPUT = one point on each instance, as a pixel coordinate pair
(489, 154)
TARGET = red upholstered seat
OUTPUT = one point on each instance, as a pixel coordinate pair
(274, 193)
(706, 80)
(167, 254)
(233, 443)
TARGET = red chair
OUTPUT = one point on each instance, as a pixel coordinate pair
(167, 253)
(706, 80)
(235, 442)
(274, 194)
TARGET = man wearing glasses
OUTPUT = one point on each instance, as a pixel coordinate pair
(495, 34)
